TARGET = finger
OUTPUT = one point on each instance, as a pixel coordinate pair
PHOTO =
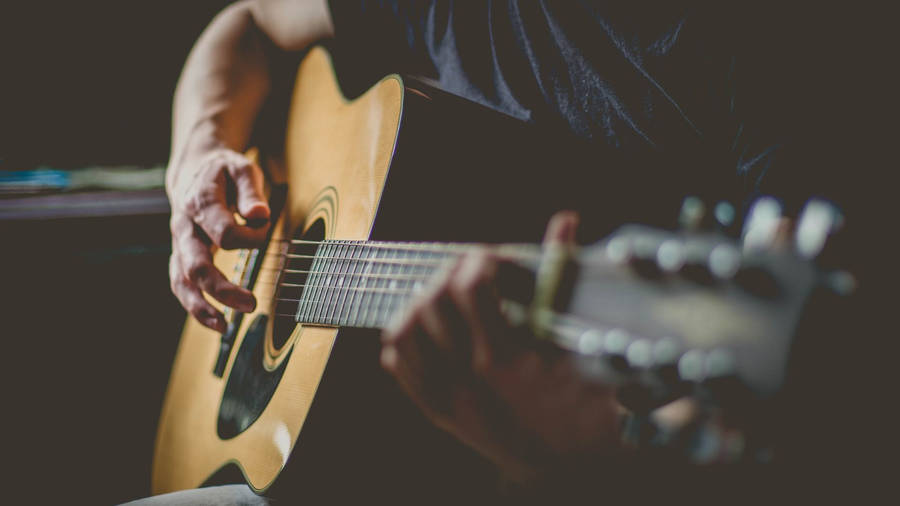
(474, 293)
(442, 319)
(784, 232)
(400, 359)
(191, 298)
(421, 368)
(207, 206)
(198, 268)
(219, 225)
(251, 201)
(562, 228)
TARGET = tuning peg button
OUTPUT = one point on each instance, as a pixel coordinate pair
(666, 352)
(724, 261)
(640, 354)
(615, 346)
(761, 227)
(692, 213)
(670, 255)
(724, 214)
(691, 366)
(618, 250)
(818, 220)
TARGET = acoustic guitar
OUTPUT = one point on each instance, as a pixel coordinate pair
(677, 311)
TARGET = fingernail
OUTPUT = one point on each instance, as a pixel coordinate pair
(258, 211)
(257, 222)
(248, 305)
(216, 324)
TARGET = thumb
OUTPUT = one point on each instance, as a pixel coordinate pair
(562, 228)
(251, 201)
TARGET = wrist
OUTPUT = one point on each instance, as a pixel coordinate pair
(187, 156)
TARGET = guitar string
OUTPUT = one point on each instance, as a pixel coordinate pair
(390, 277)
(383, 309)
(328, 290)
(396, 291)
(371, 260)
(525, 250)
(410, 246)
(380, 309)
(386, 261)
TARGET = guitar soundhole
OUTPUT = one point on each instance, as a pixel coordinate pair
(250, 385)
(292, 280)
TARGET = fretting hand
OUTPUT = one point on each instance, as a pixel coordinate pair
(483, 381)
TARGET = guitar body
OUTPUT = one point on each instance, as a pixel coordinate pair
(402, 161)
(337, 157)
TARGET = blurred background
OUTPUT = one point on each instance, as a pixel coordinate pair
(88, 325)
(89, 328)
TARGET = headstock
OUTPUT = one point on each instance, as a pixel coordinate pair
(693, 310)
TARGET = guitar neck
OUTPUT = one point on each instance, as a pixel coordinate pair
(362, 284)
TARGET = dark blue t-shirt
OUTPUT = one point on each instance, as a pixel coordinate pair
(687, 88)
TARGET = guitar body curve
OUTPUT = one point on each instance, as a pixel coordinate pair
(336, 157)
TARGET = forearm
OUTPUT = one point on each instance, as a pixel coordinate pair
(227, 74)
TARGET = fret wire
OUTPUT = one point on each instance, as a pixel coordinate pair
(298, 271)
(338, 275)
(366, 299)
(396, 291)
(394, 301)
(384, 295)
(391, 298)
(353, 282)
(322, 282)
(436, 246)
(418, 271)
(521, 251)
(332, 248)
(375, 299)
(339, 280)
(529, 256)
(388, 298)
(366, 269)
(370, 289)
(399, 301)
(325, 285)
(310, 291)
(399, 246)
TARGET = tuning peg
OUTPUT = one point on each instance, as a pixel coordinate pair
(724, 214)
(761, 226)
(693, 210)
(818, 220)
(616, 345)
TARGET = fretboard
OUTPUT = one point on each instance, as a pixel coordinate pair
(363, 283)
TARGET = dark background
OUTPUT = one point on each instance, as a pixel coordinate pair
(91, 82)
(89, 326)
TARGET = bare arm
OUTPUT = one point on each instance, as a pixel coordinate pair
(221, 90)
